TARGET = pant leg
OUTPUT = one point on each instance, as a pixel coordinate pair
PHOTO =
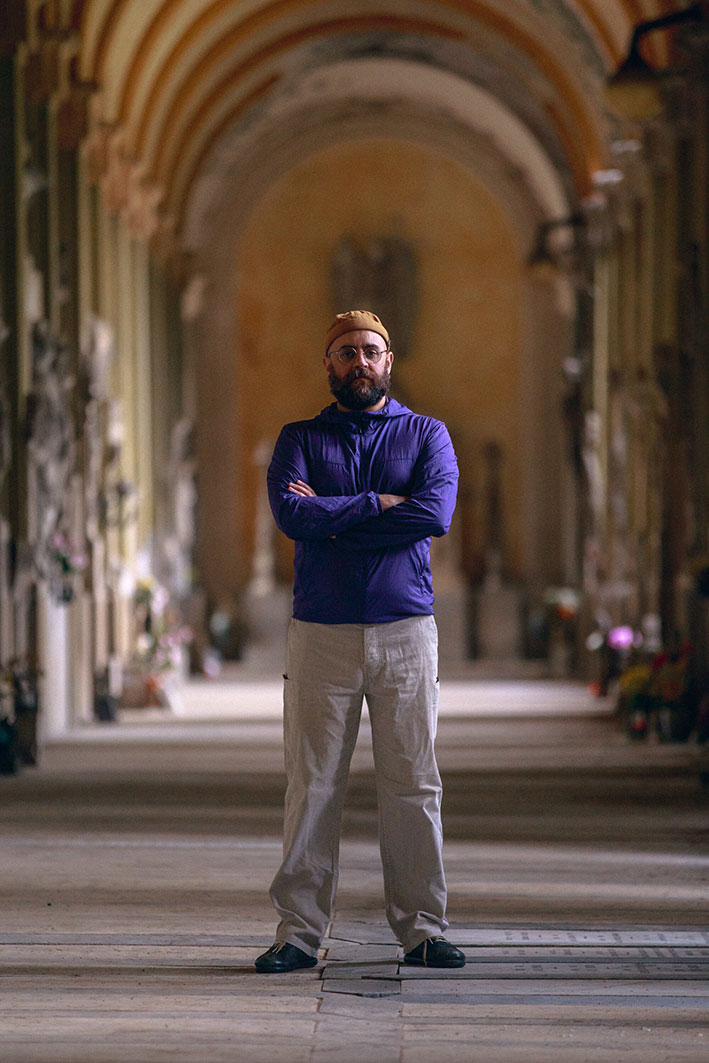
(322, 708)
(401, 687)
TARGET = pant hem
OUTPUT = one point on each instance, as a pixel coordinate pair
(291, 939)
(422, 936)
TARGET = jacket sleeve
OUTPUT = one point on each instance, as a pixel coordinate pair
(310, 518)
(427, 511)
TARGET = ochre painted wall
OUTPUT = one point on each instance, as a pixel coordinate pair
(464, 365)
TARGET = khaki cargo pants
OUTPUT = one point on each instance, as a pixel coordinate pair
(330, 669)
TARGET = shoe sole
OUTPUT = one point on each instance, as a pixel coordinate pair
(440, 966)
(286, 970)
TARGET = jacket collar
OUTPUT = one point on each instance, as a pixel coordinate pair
(391, 408)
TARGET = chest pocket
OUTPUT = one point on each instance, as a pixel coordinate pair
(332, 478)
(395, 476)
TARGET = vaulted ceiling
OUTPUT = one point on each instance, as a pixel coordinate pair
(198, 97)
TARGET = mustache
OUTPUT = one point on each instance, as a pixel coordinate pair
(353, 398)
(357, 373)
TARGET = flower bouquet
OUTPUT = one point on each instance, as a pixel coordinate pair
(659, 687)
(636, 698)
(67, 558)
(670, 684)
(159, 647)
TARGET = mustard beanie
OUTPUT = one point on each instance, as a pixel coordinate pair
(353, 320)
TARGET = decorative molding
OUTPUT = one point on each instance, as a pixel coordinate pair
(123, 181)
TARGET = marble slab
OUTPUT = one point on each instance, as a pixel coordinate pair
(362, 987)
(360, 970)
(535, 971)
(690, 937)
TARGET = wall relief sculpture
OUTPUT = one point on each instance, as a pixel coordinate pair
(379, 275)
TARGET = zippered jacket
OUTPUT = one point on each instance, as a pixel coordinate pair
(354, 563)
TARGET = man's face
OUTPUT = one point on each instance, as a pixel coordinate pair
(360, 385)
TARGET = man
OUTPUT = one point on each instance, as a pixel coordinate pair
(361, 488)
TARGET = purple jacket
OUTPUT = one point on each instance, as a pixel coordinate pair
(355, 564)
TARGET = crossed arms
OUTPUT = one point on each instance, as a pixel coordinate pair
(368, 520)
(306, 491)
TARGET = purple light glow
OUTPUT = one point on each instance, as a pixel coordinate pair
(621, 638)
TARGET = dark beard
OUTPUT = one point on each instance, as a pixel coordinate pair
(361, 397)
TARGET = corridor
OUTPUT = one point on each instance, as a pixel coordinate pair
(190, 191)
(136, 861)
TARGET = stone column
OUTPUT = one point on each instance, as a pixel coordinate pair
(499, 603)
(266, 605)
(10, 437)
(53, 637)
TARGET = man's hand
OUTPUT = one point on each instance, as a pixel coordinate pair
(387, 501)
(301, 488)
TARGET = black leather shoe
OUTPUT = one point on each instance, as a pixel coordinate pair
(435, 952)
(282, 957)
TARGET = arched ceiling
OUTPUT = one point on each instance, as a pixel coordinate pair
(188, 91)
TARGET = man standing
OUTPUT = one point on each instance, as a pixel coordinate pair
(361, 488)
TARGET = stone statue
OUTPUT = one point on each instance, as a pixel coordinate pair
(97, 355)
(51, 442)
(183, 495)
(381, 276)
(593, 468)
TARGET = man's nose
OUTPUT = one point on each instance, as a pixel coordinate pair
(361, 358)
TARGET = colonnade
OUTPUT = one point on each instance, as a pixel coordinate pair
(91, 386)
(97, 368)
(646, 469)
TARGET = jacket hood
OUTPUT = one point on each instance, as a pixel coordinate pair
(391, 408)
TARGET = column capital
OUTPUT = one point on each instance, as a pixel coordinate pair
(141, 208)
(127, 189)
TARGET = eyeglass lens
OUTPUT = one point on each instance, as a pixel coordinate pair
(348, 354)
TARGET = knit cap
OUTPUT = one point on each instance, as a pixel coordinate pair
(351, 321)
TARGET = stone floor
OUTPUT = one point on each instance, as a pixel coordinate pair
(135, 862)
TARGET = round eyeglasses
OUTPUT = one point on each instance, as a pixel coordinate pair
(347, 355)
